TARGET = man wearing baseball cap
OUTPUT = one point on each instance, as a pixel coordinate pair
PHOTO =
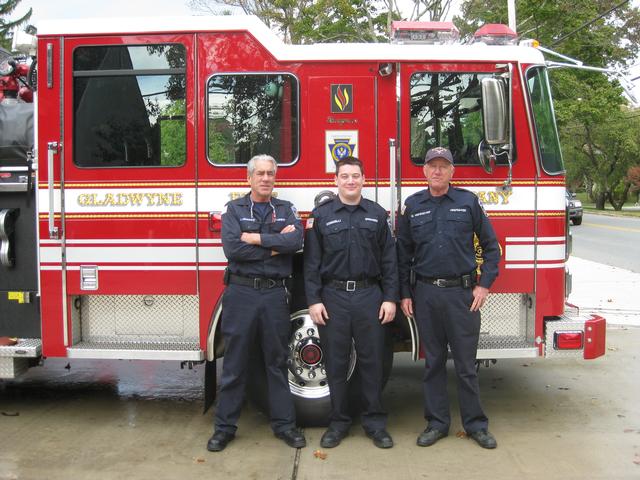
(441, 286)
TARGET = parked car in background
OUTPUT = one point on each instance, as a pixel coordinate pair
(574, 208)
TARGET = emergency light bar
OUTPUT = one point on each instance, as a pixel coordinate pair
(495, 34)
(429, 33)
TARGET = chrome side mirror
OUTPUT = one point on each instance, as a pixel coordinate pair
(495, 114)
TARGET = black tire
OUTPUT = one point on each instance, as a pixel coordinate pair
(313, 410)
(577, 220)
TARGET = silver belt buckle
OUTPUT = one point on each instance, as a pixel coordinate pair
(440, 282)
(257, 284)
(351, 285)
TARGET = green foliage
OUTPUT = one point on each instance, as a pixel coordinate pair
(173, 139)
(7, 25)
(318, 21)
(599, 140)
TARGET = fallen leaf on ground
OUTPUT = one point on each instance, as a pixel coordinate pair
(563, 388)
(11, 414)
(320, 454)
(199, 459)
(613, 349)
(461, 434)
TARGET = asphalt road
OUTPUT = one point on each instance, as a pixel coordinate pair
(564, 419)
(610, 240)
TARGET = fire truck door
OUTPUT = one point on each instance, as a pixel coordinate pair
(129, 214)
(344, 118)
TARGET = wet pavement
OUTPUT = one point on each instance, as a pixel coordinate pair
(564, 419)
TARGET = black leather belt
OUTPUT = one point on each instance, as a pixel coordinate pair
(257, 282)
(352, 285)
(466, 281)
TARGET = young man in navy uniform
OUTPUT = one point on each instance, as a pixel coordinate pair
(352, 285)
(439, 284)
(260, 234)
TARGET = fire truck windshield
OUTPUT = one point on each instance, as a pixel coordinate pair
(544, 120)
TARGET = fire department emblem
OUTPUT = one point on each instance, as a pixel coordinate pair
(338, 145)
(341, 148)
(341, 98)
(478, 250)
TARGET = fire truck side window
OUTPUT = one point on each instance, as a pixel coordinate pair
(545, 121)
(129, 106)
(446, 111)
(250, 114)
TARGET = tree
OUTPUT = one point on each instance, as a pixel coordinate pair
(304, 21)
(6, 25)
(594, 133)
(605, 153)
(633, 176)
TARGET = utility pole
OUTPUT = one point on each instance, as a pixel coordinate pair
(511, 6)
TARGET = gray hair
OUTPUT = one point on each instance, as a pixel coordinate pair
(251, 166)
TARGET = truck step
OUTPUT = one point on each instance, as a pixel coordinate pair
(137, 350)
(14, 359)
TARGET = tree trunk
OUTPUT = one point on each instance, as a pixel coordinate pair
(599, 198)
(617, 205)
(588, 185)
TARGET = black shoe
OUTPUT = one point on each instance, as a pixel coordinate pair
(381, 438)
(429, 437)
(332, 438)
(484, 439)
(293, 437)
(219, 441)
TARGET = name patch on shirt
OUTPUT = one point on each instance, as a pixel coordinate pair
(245, 219)
(371, 219)
(457, 209)
(419, 214)
(280, 219)
(332, 222)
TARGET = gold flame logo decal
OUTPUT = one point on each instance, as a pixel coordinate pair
(341, 99)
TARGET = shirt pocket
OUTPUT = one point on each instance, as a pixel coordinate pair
(368, 229)
(250, 227)
(459, 222)
(277, 226)
(422, 227)
(336, 237)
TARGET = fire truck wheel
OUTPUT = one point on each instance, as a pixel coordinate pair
(307, 376)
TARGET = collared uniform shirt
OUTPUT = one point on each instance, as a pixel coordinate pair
(349, 244)
(257, 260)
(436, 238)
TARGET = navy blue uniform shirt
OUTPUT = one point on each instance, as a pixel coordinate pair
(435, 238)
(256, 260)
(349, 243)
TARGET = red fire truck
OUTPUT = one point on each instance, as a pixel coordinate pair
(111, 234)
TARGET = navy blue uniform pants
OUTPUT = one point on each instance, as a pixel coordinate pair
(354, 315)
(249, 315)
(444, 319)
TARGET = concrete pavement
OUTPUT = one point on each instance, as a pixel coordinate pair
(608, 291)
(554, 419)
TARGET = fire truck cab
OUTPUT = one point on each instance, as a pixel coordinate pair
(143, 131)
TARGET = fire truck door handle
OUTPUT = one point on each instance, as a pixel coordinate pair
(52, 149)
(393, 204)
